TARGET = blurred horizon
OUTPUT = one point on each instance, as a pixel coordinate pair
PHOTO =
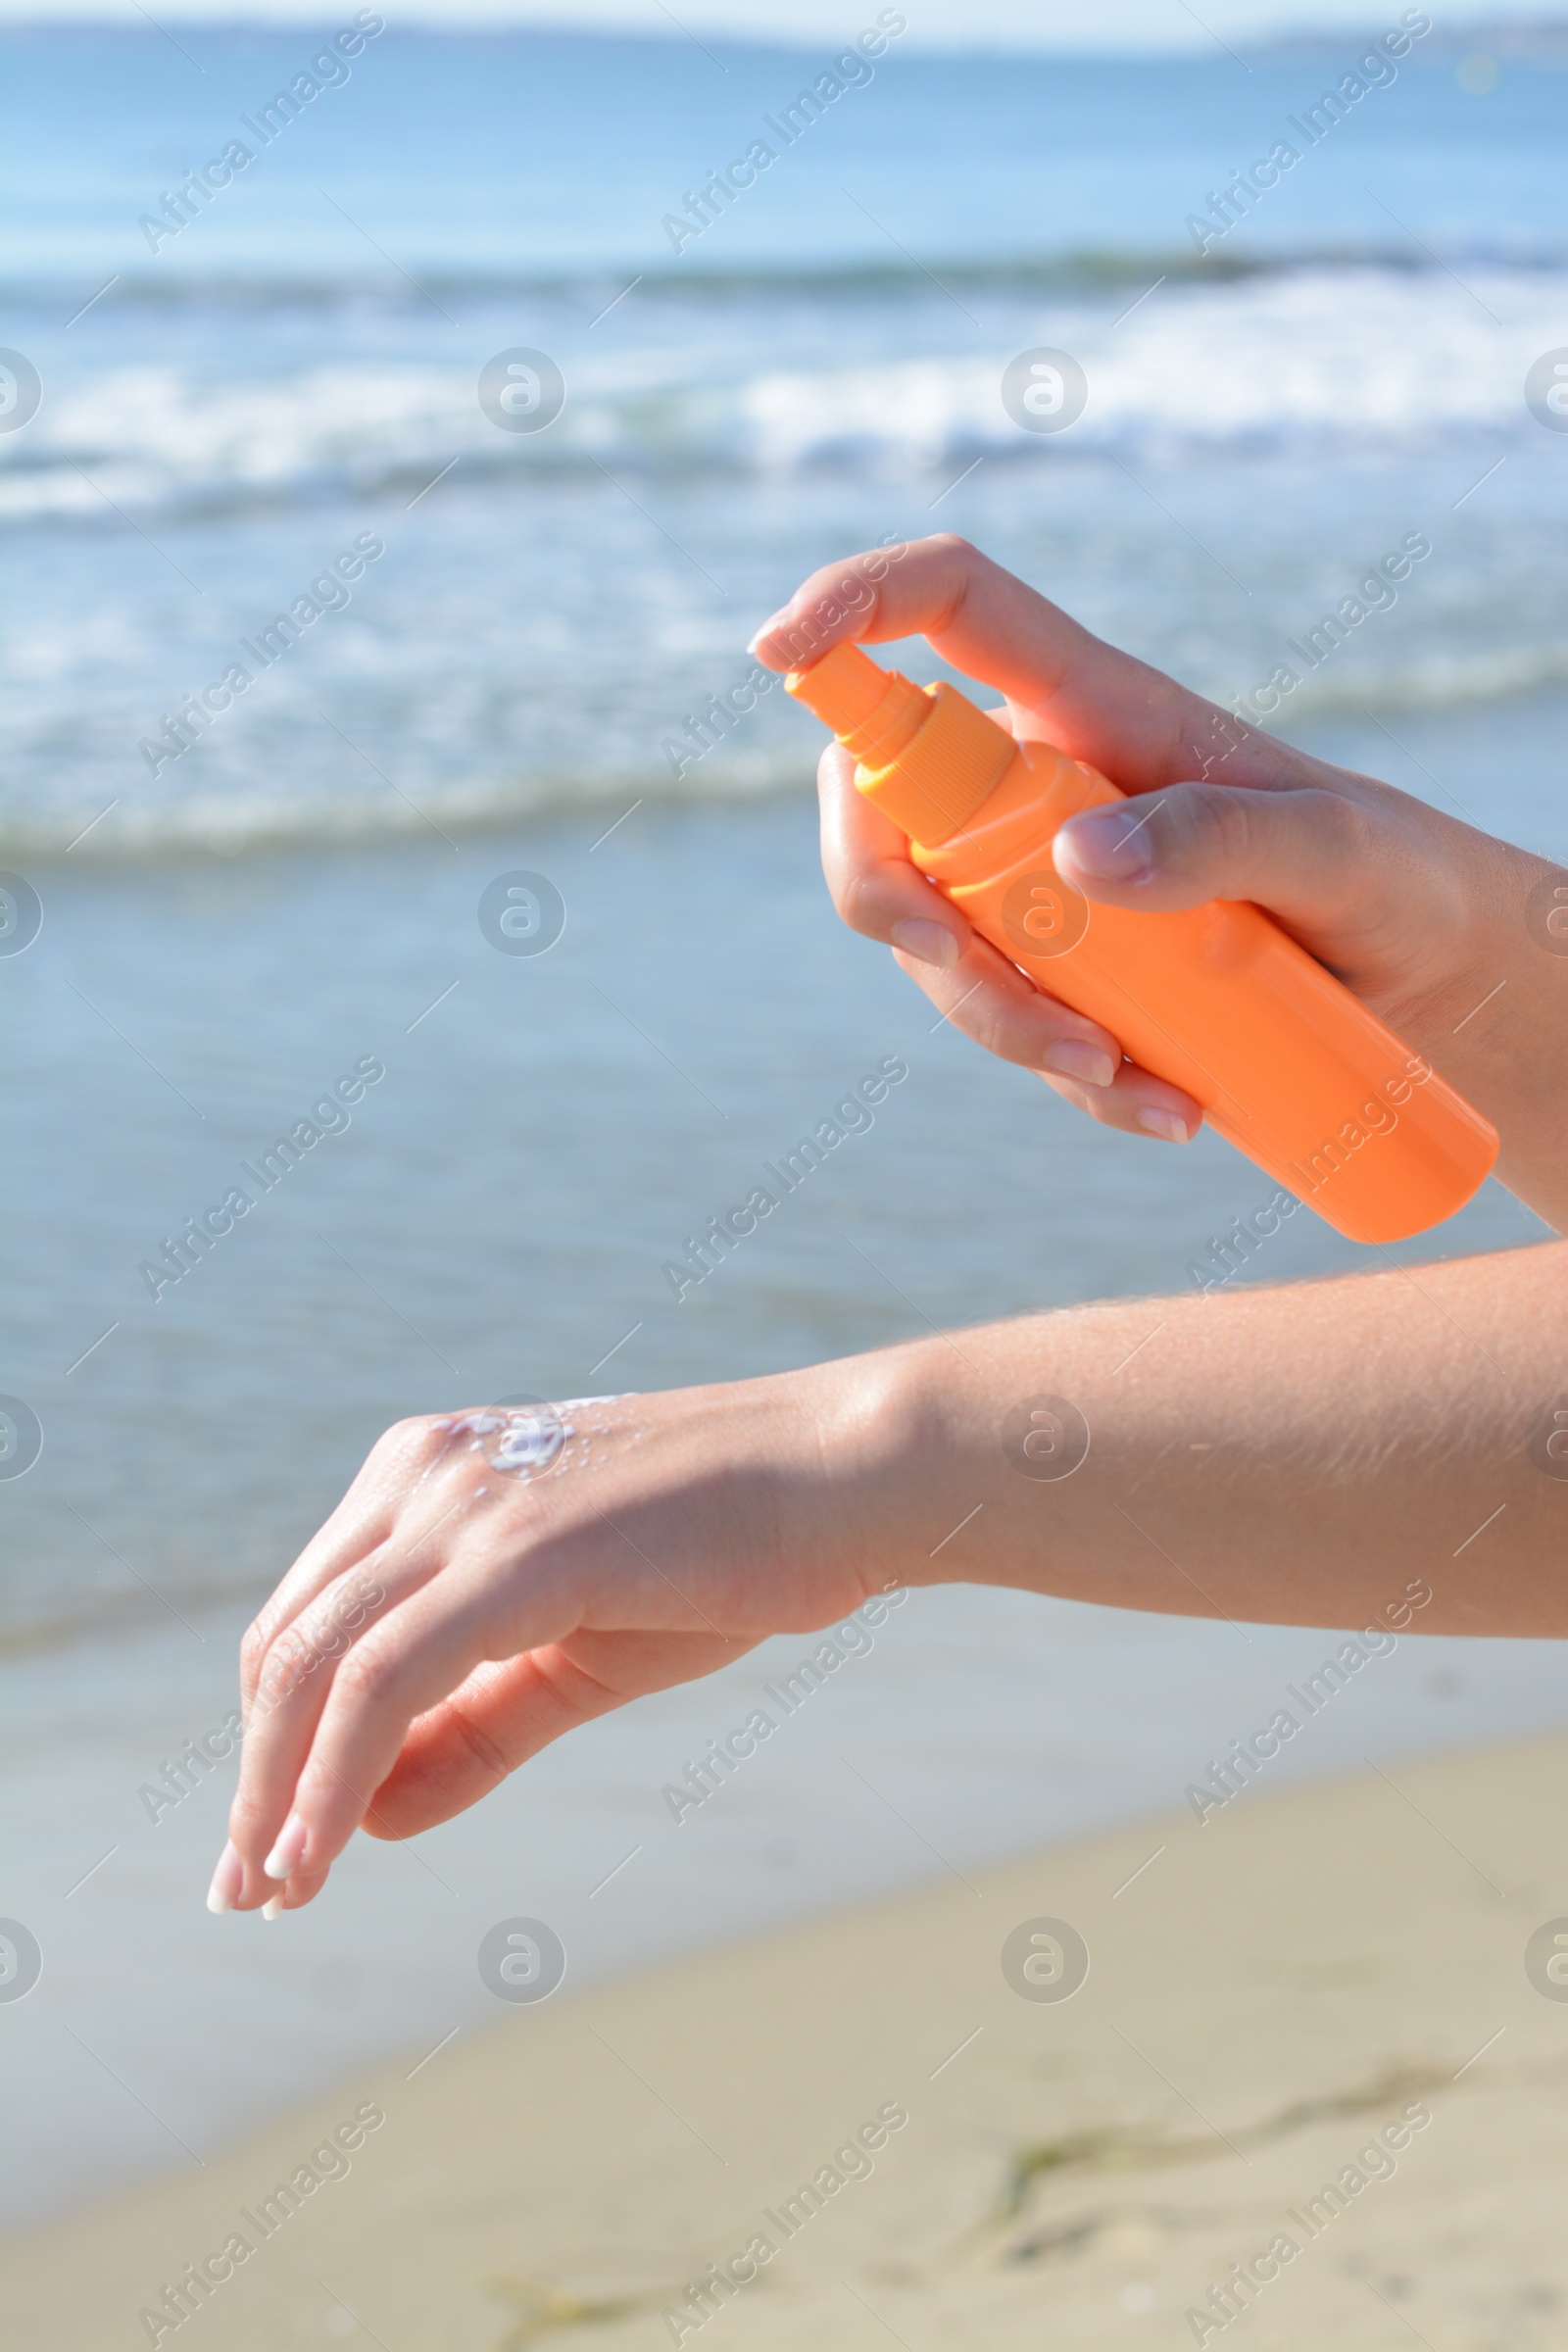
(1025, 28)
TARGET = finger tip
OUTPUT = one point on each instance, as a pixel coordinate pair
(761, 638)
(1077, 1057)
(1167, 1125)
(1100, 845)
(227, 1880)
(928, 942)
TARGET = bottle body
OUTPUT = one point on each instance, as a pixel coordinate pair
(1286, 1064)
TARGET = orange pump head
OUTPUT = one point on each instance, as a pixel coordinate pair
(927, 757)
(874, 713)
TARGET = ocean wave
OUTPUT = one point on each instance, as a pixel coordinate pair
(1439, 677)
(1280, 362)
(33, 1629)
(239, 816)
(223, 824)
(695, 284)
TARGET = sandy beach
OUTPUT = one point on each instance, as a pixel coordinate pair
(1326, 1986)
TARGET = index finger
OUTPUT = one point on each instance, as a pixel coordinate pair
(1092, 701)
(873, 885)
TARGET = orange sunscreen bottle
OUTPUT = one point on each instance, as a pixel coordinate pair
(1287, 1065)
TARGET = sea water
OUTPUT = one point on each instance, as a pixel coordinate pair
(278, 930)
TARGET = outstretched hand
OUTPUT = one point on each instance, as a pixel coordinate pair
(453, 1617)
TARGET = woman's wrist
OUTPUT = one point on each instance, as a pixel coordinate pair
(867, 1452)
(1497, 1027)
(1454, 947)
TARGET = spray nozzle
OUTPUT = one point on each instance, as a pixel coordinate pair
(874, 713)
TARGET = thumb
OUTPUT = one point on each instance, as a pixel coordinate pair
(1301, 851)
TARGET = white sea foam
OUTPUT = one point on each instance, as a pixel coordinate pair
(1295, 359)
(543, 626)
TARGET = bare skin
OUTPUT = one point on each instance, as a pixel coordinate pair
(1294, 1455)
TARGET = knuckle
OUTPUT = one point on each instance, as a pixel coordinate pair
(366, 1675)
(1013, 1028)
(1098, 1102)
(287, 1661)
(1341, 828)
(488, 1752)
(994, 1028)
(961, 559)
(412, 1431)
(1212, 824)
(861, 902)
(406, 1443)
(250, 1821)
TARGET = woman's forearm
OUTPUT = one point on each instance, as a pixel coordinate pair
(1294, 1455)
(1317, 1454)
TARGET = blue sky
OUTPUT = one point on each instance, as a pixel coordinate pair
(1011, 24)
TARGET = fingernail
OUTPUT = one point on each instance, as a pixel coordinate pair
(1075, 1058)
(932, 942)
(772, 621)
(273, 1907)
(227, 1878)
(1163, 1123)
(1109, 848)
(289, 1852)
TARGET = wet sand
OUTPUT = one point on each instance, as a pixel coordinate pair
(1327, 1986)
